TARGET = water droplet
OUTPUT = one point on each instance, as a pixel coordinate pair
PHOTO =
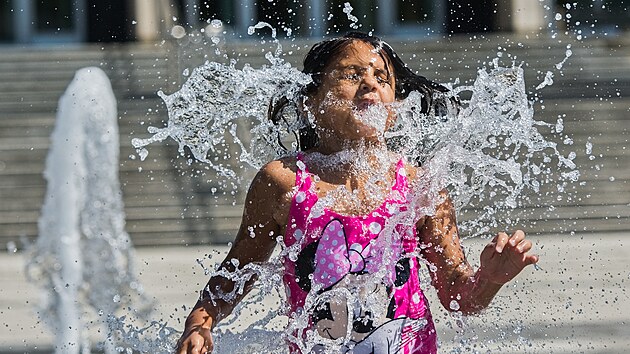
(143, 153)
(559, 125)
(454, 305)
(548, 81)
(178, 32)
(375, 227)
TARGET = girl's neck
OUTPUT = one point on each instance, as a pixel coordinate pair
(358, 147)
(330, 143)
(355, 180)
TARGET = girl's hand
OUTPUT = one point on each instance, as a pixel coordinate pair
(504, 257)
(197, 337)
(197, 340)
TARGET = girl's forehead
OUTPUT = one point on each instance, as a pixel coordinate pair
(361, 54)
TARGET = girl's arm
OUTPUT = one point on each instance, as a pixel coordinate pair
(254, 242)
(453, 277)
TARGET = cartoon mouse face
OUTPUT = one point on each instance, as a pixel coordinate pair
(332, 264)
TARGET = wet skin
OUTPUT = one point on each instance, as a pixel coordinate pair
(357, 79)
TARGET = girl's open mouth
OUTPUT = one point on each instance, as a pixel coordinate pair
(365, 104)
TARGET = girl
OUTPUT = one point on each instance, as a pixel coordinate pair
(353, 272)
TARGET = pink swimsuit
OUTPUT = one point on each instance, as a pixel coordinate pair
(339, 255)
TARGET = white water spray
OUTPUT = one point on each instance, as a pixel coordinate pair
(487, 148)
(215, 101)
(83, 258)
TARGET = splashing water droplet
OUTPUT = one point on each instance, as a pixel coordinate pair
(347, 9)
(454, 305)
(143, 153)
(559, 125)
(178, 32)
(252, 29)
(589, 148)
(548, 81)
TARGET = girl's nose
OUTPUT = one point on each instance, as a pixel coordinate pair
(368, 84)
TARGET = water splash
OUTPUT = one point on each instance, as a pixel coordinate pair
(217, 103)
(347, 9)
(83, 258)
(481, 143)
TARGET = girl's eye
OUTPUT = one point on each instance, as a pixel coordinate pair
(352, 77)
(382, 80)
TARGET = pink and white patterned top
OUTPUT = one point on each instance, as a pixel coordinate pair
(357, 270)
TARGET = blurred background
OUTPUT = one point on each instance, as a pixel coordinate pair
(174, 209)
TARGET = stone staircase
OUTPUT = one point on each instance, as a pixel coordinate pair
(168, 202)
(33, 80)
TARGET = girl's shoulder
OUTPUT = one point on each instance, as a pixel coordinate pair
(281, 167)
(278, 174)
(269, 191)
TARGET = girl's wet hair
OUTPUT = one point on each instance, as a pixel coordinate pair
(322, 53)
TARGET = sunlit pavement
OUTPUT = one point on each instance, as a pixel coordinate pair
(576, 303)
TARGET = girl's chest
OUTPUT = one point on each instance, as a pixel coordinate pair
(351, 200)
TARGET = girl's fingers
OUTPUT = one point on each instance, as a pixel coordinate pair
(517, 237)
(502, 239)
(531, 259)
(524, 246)
(525, 259)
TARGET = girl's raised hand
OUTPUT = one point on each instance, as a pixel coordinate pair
(197, 340)
(505, 256)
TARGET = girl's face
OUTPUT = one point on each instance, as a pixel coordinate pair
(353, 101)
